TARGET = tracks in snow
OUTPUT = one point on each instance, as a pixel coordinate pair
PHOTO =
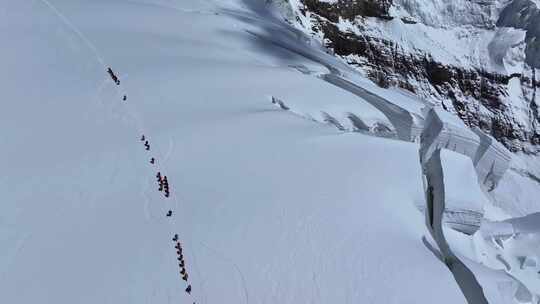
(122, 96)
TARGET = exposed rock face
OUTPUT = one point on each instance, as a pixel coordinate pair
(467, 61)
(524, 14)
(348, 9)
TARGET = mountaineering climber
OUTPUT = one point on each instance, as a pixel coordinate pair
(182, 264)
(114, 78)
(185, 277)
(124, 98)
(147, 145)
(183, 271)
(177, 246)
(152, 160)
(175, 238)
(160, 186)
(180, 255)
(165, 186)
(143, 138)
(109, 70)
(169, 213)
(188, 289)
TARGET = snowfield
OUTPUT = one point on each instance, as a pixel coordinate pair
(270, 207)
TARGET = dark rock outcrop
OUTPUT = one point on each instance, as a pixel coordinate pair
(524, 14)
(348, 9)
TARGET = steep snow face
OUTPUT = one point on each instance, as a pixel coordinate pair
(475, 64)
(458, 54)
(474, 70)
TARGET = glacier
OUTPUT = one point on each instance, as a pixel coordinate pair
(318, 200)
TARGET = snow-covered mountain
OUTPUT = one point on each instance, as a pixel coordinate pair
(218, 151)
(477, 59)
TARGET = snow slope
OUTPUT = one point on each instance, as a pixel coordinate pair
(269, 208)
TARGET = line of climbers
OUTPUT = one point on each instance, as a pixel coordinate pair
(116, 80)
(113, 76)
(146, 143)
(163, 183)
(163, 186)
(181, 263)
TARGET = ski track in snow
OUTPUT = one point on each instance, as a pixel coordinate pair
(230, 261)
(147, 200)
(18, 247)
(199, 273)
(170, 150)
(71, 26)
